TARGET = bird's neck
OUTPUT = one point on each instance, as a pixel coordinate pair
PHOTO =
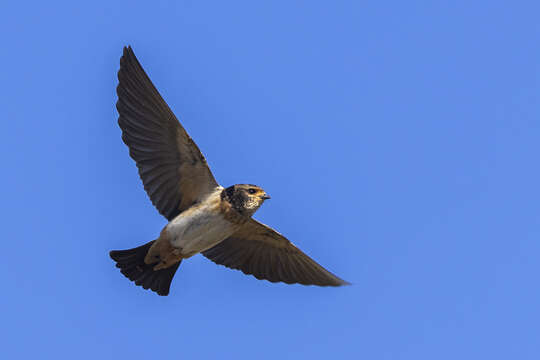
(233, 208)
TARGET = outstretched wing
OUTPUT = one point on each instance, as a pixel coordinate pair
(259, 250)
(173, 171)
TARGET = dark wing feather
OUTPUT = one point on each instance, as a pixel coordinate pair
(259, 250)
(172, 168)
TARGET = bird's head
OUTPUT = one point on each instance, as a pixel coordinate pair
(245, 198)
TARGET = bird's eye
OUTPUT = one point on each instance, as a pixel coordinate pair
(252, 191)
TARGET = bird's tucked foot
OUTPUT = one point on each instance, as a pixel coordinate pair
(170, 259)
(163, 253)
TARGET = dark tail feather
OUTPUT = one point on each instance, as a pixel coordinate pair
(132, 265)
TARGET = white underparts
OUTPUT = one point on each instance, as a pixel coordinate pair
(198, 230)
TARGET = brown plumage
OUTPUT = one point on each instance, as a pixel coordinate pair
(203, 216)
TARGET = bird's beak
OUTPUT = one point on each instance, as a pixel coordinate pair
(265, 197)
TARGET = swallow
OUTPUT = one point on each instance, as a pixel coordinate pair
(203, 217)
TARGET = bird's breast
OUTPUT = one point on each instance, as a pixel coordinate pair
(199, 229)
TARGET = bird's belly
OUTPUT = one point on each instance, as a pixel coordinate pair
(198, 231)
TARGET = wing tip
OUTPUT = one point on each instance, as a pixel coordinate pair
(127, 49)
(342, 282)
(127, 55)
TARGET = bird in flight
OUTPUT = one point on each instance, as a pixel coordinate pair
(203, 217)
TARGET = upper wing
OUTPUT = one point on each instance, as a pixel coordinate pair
(259, 250)
(173, 170)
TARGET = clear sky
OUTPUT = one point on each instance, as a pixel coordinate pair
(399, 142)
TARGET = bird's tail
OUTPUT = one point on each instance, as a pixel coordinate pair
(132, 265)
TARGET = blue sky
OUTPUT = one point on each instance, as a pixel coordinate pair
(399, 142)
